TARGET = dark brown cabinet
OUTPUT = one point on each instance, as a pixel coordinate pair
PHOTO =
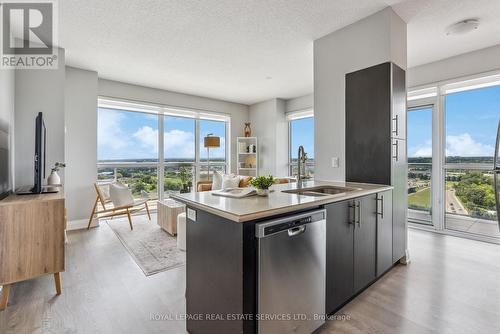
(375, 104)
(399, 172)
(351, 239)
(365, 242)
(339, 254)
(384, 232)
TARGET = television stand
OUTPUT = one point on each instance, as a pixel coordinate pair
(27, 190)
(31, 239)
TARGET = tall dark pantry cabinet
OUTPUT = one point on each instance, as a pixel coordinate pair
(376, 138)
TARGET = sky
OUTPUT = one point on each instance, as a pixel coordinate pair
(125, 135)
(302, 133)
(471, 124)
(134, 136)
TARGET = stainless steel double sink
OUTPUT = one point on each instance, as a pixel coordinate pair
(320, 191)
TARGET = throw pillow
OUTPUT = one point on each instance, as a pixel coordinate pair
(120, 194)
(216, 181)
(245, 181)
(230, 181)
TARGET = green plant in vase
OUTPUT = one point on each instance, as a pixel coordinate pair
(262, 184)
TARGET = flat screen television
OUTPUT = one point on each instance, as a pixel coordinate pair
(39, 161)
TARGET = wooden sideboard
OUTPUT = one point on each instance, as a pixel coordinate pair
(31, 239)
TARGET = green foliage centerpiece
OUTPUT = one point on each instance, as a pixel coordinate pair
(262, 184)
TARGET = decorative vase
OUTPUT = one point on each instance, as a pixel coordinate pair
(53, 179)
(248, 130)
(263, 192)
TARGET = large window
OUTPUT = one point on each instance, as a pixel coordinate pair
(217, 155)
(452, 130)
(301, 133)
(471, 120)
(147, 146)
(125, 136)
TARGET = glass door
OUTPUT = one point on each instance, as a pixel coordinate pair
(496, 175)
(471, 124)
(420, 164)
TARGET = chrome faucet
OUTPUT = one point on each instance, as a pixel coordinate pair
(302, 158)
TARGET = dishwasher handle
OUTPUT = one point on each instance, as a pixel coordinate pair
(296, 230)
(292, 225)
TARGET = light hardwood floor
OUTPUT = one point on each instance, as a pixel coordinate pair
(451, 286)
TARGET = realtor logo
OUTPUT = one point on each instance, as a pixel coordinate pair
(28, 34)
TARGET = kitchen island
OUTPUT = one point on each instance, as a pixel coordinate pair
(222, 257)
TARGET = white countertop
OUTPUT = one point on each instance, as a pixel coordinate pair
(278, 202)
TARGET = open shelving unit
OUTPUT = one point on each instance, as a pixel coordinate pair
(248, 160)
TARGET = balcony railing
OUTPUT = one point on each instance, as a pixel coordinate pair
(419, 192)
(143, 178)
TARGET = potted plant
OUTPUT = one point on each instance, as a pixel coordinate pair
(186, 176)
(54, 178)
(262, 184)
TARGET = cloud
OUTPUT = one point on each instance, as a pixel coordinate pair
(178, 144)
(421, 150)
(148, 137)
(109, 130)
(464, 145)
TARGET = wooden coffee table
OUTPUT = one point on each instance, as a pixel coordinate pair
(168, 210)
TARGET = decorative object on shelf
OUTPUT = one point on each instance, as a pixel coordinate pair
(249, 162)
(54, 178)
(210, 141)
(242, 147)
(248, 156)
(186, 176)
(262, 184)
(248, 130)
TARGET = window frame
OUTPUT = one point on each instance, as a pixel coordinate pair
(290, 117)
(435, 93)
(422, 103)
(161, 111)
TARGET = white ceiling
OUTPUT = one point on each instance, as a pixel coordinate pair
(246, 50)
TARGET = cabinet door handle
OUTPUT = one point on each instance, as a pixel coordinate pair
(396, 128)
(396, 144)
(358, 206)
(381, 212)
(353, 207)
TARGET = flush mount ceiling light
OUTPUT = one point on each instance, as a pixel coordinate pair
(462, 27)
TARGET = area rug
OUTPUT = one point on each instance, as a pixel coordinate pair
(153, 249)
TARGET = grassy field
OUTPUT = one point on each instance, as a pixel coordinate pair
(421, 199)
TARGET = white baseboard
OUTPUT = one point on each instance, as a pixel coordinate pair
(80, 224)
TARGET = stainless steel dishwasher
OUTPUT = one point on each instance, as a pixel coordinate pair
(291, 273)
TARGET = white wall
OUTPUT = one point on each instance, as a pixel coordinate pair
(7, 85)
(466, 64)
(281, 134)
(378, 38)
(80, 142)
(300, 103)
(271, 128)
(38, 91)
(238, 112)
